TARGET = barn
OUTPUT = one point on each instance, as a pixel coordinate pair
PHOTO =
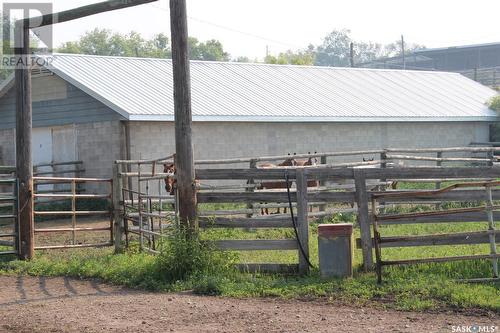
(98, 109)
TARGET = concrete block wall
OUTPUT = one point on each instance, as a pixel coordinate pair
(7, 147)
(99, 144)
(228, 140)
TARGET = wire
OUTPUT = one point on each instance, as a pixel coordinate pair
(235, 30)
(301, 247)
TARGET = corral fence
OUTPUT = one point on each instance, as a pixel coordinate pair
(8, 211)
(469, 191)
(144, 207)
(342, 186)
(70, 205)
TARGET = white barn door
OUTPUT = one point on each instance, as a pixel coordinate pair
(42, 152)
(42, 145)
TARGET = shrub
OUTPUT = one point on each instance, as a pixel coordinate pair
(494, 103)
(185, 258)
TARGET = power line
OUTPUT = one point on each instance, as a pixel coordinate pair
(236, 30)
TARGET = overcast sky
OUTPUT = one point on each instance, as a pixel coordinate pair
(246, 27)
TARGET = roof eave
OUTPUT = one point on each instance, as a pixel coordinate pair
(198, 118)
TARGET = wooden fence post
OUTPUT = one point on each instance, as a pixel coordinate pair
(439, 154)
(253, 165)
(491, 157)
(302, 223)
(24, 162)
(323, 161)
(184, 159)
(117, 213)
(361, 196)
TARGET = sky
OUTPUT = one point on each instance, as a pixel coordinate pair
(246, 28)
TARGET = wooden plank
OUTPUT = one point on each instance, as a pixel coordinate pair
(433, 172)
(83, 11)
(436, 150)
(24, 162)
(220, 222)
(438, 259)
(455, 195)
(363, 218)
(284, 157)
(348, 197)
(450, 218)
(322, 173)
(432, 213)
(269, 268)
(257, 244)
(437, 159)
(302, 222)
(218, 197)
(215, 197)
(466, 238)
(243, 174)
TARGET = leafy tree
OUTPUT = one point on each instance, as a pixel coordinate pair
(242, 59)
(211, 50)
(335, 49)
(300, 57)
(394, 49)
(367, 51)
(106, 42)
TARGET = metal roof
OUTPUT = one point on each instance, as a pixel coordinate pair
(141, 89)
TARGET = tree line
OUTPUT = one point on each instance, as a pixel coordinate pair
(333, 51)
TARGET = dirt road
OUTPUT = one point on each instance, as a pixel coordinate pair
(29, 304)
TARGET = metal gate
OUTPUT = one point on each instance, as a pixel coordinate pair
(8, 211)
(65, 204)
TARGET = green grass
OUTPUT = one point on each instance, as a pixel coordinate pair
(419, 287)
(194, 266)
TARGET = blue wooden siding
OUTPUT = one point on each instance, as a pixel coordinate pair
(78, 107)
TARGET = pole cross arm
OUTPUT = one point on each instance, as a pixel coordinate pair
(79, 12)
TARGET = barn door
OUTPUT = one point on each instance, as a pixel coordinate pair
(42, 153)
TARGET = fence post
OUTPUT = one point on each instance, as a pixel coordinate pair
(302, 223)
(117, 214)
(253, 165)
(439, 154)
(323, 161)
(361, 197)
(491, 157)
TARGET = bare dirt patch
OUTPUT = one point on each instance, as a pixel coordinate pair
(29, 304)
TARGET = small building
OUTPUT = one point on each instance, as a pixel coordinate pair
(450, 59)
(480, 62)
(99, 109)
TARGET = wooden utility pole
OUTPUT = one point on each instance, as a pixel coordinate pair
(24, 163)
(351, 54)
(182, 109)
